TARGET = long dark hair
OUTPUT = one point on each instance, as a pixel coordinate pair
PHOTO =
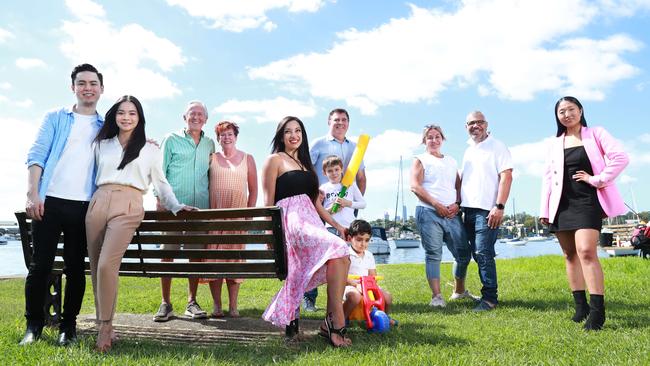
(303, 150)
(109, 130)
(560, 128)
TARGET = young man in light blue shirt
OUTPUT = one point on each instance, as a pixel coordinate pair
(61, 182)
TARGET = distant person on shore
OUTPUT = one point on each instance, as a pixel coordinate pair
(486, 178)
(353, 199)
(186, 160)
(61, 182)
(314, 255)
(436, 183)
(126, 165)
(362, 263)
(334, 143)
(233, 184)
(578, 191)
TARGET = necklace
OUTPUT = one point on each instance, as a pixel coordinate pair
(295, 160)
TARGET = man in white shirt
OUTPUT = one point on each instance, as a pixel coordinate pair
(61, 182)
(485, 185)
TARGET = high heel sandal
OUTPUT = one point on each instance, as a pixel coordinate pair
(330, 330)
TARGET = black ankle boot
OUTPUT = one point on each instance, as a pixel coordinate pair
(596, 317)
(582, 307)
(291, 330)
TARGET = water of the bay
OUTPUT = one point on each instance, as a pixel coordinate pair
(12, 263)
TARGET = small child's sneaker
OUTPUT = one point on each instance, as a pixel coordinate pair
(464, 295)
(437, 301)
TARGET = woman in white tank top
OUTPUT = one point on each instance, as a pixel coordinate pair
(435, 181)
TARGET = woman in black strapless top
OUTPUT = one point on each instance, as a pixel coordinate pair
(577, 192)
(314, 255)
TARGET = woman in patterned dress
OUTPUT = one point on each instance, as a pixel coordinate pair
(233, 184)
(315, 256)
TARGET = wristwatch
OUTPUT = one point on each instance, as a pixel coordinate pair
(500, 206)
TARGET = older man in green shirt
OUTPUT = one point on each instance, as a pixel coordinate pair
(186, 160)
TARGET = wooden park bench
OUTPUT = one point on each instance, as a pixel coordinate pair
(261, 225)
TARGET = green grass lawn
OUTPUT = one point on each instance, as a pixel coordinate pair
(531, 325)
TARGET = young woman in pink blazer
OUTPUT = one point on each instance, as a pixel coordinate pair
(578, 191)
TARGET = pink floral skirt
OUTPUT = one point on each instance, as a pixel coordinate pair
(309, 246)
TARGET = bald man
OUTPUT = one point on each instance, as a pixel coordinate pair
(485, 185)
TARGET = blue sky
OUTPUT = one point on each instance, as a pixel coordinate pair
(395, 66)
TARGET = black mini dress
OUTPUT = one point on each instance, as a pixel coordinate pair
(579, 207)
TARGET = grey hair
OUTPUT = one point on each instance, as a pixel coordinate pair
(193, 102)
(477, 112)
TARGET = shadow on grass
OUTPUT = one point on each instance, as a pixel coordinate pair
(452, 308)
(275, 350)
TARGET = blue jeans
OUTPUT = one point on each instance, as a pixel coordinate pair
(482, 240)
(311, 295)
(436, 231)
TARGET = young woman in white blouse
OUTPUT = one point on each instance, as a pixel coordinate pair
(126, 165)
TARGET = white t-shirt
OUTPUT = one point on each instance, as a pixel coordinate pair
(360, 265)
(345, 215)
(439, 178)
(71, 179)
(139, 173)
(482, 164)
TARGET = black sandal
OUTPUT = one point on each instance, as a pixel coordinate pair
(327, 332)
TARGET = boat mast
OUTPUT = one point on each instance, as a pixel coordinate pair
(401, 178)
(514, 217)
(399, 182)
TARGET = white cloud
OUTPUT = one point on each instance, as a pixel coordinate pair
(265, 110)
(623, 7)
(530, 158)
(5, 35)
(85, 8)
(133, 59)
(13, 185)
(414, 59)
(645, 138)
(5, 85)
(383, 179)
(402, 143)
(238, 16)
(625, 179)
(25, 103)
(29, 63)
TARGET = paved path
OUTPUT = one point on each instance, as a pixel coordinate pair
(199, 332)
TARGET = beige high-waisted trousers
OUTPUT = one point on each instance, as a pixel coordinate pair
(114, 213)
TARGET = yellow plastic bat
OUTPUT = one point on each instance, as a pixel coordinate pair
(353, 167)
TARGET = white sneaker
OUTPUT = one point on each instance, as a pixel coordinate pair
(437, 301)
(464, 295)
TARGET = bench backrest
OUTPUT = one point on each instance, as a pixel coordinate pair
(261, 226)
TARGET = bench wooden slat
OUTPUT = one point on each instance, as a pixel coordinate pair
(190, 267)
(222, 213)
(200, 275)
(59, 271)
(206, 225)
(194, 254)
(204, 239)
